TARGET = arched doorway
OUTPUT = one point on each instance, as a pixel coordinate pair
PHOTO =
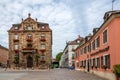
(29, 62)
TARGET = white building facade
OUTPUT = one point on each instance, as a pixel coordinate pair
(67, 58)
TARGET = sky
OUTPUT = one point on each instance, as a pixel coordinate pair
(66, 18)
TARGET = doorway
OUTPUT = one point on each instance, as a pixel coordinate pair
(29, 62)
(88, 66)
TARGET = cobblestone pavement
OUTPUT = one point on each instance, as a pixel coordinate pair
(55, 74)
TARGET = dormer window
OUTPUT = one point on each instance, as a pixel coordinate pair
(16, 27)
(78, 41)
(43, 27)
(29, 28)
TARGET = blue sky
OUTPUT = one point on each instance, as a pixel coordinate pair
(67, 18)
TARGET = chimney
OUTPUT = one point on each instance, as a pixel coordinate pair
(78, 36)
(95, 30)
(36, 19)
(22, 19)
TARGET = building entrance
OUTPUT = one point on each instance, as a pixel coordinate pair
(29, 62)
(88, 67)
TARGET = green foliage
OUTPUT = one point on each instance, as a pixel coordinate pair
(37, 56)
(116, 69)
(58, 56)
(16, 60)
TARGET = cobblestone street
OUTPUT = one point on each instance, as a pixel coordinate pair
(55, 74)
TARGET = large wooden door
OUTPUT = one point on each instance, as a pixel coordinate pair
(29, 62)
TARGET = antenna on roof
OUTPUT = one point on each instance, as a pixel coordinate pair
(113, 4)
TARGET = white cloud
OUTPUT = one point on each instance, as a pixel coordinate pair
(67, 18)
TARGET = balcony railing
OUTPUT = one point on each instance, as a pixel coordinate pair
(73, 49)
(29, 40)
(42, 39)
(29, 50)
(72, 57)
(42, 60)
(16, 50)
(42, 50)
(16, 40)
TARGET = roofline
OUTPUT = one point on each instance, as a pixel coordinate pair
(105, 22)
(3, 47)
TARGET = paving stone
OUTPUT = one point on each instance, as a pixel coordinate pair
(54, 74)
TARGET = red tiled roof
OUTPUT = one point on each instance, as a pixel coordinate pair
(3, 47)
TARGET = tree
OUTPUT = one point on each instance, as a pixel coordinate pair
(58, 56)
(36, 59)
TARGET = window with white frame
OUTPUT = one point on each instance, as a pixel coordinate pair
(98, 42)
(106, 61)
(89, 47)
(29, 36)
(105, 36)
(97, 62)
(84, 63)
(16, 46)
(15, 36)
(29, 28)
(91, 62)
(101, 61)
(80, 63)
(94, 62)
(42, 46)
(42, 57)
(72, 56)
(81, 51)
(93, 45)
(85, 49)
(42, 36)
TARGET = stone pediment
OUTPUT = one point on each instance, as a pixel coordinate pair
(28, 20)
(29, 23)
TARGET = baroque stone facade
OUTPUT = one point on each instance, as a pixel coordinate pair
(30, 44)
